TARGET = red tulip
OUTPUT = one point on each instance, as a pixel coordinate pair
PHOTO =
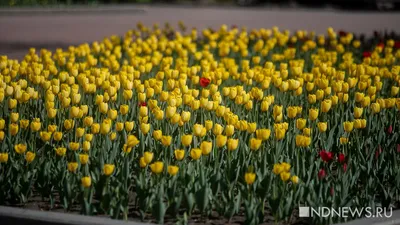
(380, 45)
(397, 44)
(366, 54)
(398, 148)
(142, 104)
(204, 82)
(389, 130)
(378, 152)
(342, 33)
(321, 174)
(345, 167)
(341, 158)
(332, 191)
(326, 156)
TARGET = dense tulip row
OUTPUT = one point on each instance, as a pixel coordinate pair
(231, 121)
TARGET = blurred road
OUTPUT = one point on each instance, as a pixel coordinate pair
(51, 28)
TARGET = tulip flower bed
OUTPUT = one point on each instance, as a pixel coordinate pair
(230, 122)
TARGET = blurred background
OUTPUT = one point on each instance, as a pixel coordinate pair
(345, 4)
(53, 24)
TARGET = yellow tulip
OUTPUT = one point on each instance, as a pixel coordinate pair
(74, 112)
(132, 141)
(326, 105)
(14, 117)
(157, 167)
(36, 125)
(105, 127)
(322, 126)
(251, 127)
(124, 109)
(185, 116)
(103, 107)
(112, 114)
(208, 125)
(359, 96)
(358, 112)
(295, 179)
(285, 176)
(348, 126)
(250, 178)
(24, 124)
(30, 156)
(3, 157)
(232, 144)
(157, 134)
(301, 123)
(291, 112)
(221, 141)
(173, 170)
(20, 148)
(142, 162)
(394, 90)
(108, 169)
(312, 98)
(286, 166)
(72, 167)
(57, 136)
(45, 136)
(83, 158)
(170, 111)
(129, 125)
(2, 124)
(197, 130)
(357, 124)
(307, 132)
(278, 169)
(265, 106)
(303, 141)
(145, 128)
(263, 134)
(86, 181)
(88, 137)
(179, 154)
(88, 121)
(52, 128)
(186, 140)
(376, 108)
(344, 140)
(229, 130)
(313, 114)
(280, 134)
(218, 129)
(86, 146)
(166, 140)
(143, 111)
(277, 110)
(206, 147)
(61, 151)
(68, 124)
(255, 143)
(119, 126)
(12, 103)
(112, 136)
(14, 129)
(195, 153)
